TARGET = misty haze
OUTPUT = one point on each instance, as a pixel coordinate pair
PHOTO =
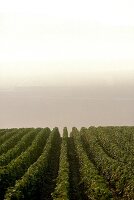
(66, 106)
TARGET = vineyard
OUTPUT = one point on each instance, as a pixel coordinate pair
(94, 163)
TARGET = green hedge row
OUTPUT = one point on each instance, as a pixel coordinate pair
(107, 142)
(117, 174)
(7, 135)
(94, 184)
(20, 147)
(16, 168)
(12, 141)
(62, 185)
(26, 187)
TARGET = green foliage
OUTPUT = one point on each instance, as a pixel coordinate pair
(20, 147)
(62, 185)
(26, 187)
(94, 184)
(10, 143)
(115, 172)
(9, 133)
(105, 159)
(16, 168)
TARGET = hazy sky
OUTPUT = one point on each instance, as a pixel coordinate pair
(66, 42)
(66, 62)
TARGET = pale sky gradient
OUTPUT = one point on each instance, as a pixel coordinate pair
(66, 63)
(49, 42)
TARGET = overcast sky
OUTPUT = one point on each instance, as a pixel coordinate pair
(49, 46)
(49, 42)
